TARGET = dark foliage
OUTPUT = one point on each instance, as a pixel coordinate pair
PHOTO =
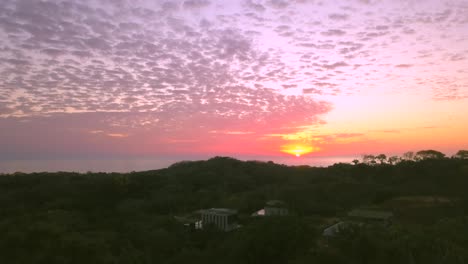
(129, 218)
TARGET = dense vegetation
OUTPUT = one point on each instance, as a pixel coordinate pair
(129, 218)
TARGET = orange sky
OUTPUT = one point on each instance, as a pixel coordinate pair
(200, 78)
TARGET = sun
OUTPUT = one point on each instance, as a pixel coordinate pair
(298, 149)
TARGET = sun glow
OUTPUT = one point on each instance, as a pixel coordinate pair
(298, 150)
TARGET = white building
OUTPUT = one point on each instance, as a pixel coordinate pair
(333, 230)
(275, 207)
(223, 218)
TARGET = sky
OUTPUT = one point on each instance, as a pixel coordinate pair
(129, 79)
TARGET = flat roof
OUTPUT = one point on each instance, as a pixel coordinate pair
(335, 228)
(277, 203)
(221, 211)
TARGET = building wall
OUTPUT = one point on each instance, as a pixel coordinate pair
(220, 221)
(275, 211)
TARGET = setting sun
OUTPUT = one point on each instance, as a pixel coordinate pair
(298, 150)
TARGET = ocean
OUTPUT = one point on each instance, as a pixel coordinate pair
(143, 164)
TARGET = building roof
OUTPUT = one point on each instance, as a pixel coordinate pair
(336, 228)
(218, 211)
(275, 203)
(371, 214)
(260, 212)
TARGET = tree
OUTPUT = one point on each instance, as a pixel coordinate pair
(429, 154)
(408, 155)
(355, 162)
(393, 159)
(461, 154)
(381, 158)
(271, 240)
(368, 159)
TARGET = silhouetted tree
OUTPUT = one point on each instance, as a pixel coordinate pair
(368, 159)
(461, 154)
(409, 155)
(381, 158)
(429, 154)
(393, 159)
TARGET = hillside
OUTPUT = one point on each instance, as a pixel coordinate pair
(69, 217)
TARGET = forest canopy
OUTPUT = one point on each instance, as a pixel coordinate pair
(68, 217)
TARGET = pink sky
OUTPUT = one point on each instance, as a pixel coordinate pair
(127, 79)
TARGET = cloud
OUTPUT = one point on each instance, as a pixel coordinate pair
(196, 3)
(387, 131)
(333, 66)
(312, 138)
(112, 135)
(457, 57)
(232, 132)
(117, 135)
(321, 46)
(348, 47)
(338, 17)
(255, 6)
(264, 112)
(182, 141)
(403, 65)
(312, 91)
(96, 131)
(408, 31)
(333, 32)
(169, 6)
(53, 52)
(280, 4)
